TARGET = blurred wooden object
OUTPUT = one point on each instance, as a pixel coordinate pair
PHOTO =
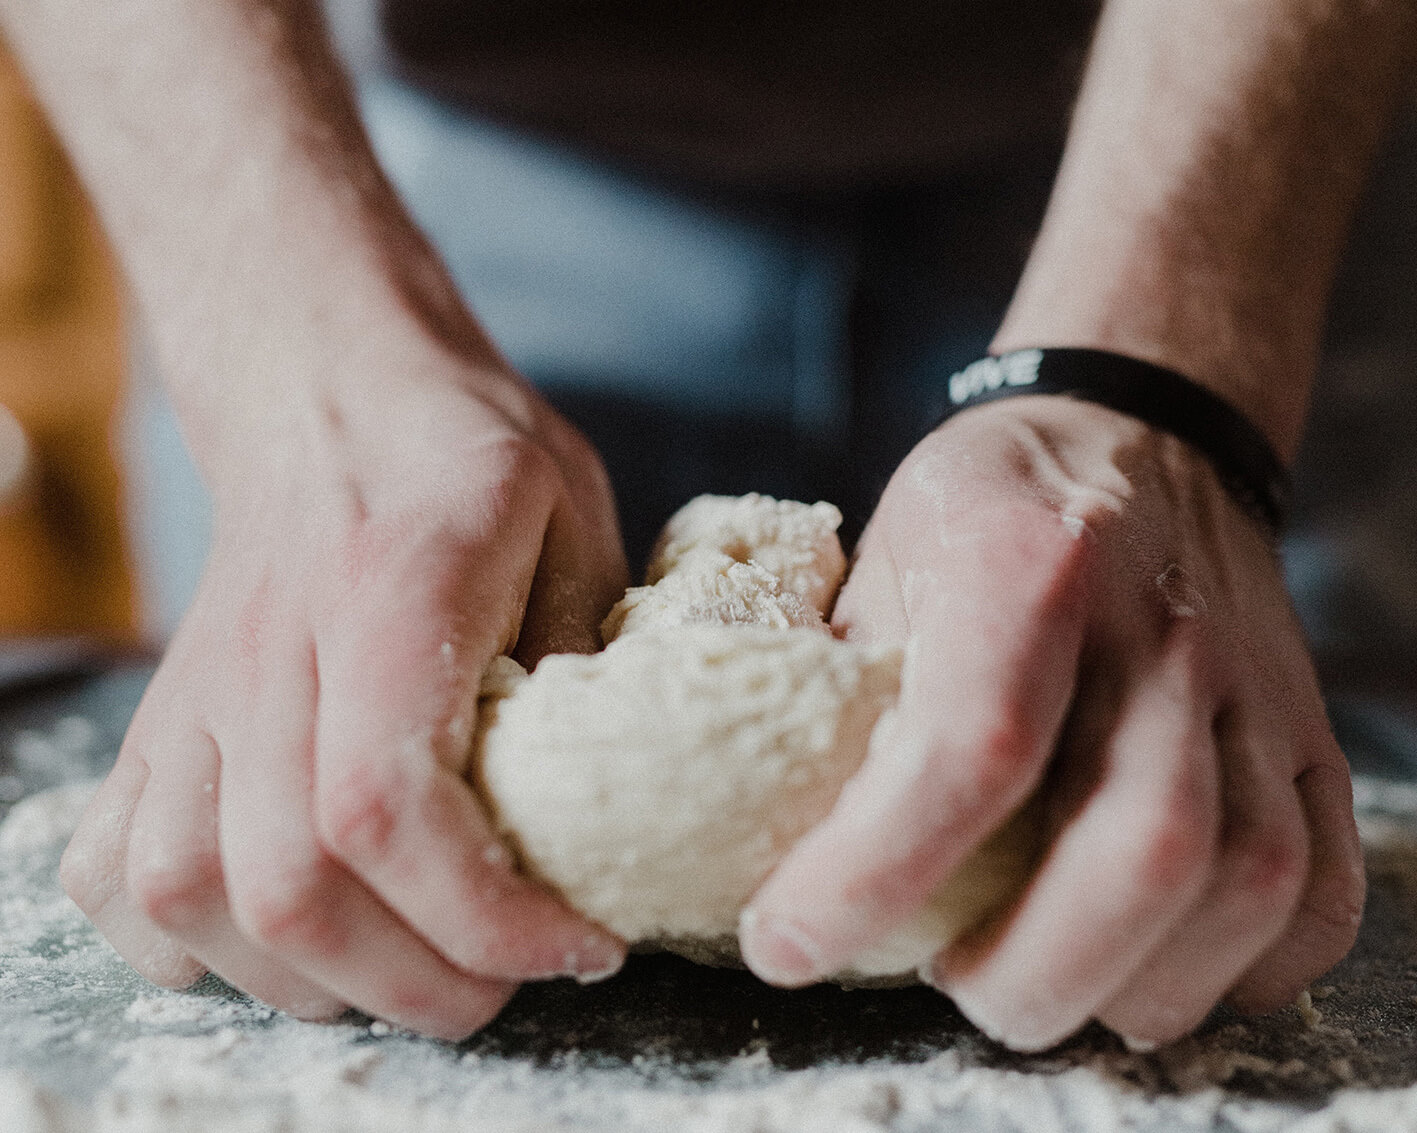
(63, 566)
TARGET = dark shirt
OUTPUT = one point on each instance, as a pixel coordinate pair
(760, 93)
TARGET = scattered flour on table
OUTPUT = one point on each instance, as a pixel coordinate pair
(48, 817)
(173, 1086)
(58, 754)
(166, 1062)
(224, 1065)
(173, 1009)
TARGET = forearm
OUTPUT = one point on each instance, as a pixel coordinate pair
(224, 153)
(1215, 158)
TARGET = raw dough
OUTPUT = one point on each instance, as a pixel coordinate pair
(797, 542)
(719, 590)
(655, 784)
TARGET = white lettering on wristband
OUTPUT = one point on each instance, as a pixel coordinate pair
(1017, 369)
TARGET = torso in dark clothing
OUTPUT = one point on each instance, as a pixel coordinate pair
(765, 94)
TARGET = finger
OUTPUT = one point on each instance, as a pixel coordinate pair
(391, 803)
(1325, 923)
(292, 900)
(870, 610)
(986, 685)
(93, 872)
(580, 575)
(175, 876)
(1257, 881)
(1119, 875)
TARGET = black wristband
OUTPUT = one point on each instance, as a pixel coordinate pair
(1244, 460)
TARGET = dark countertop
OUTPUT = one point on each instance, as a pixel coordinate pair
(76, 1021)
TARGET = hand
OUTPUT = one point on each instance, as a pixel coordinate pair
(288, 808)
(1085, 614)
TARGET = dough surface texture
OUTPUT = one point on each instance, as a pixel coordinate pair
(796, 542)
(657, 783)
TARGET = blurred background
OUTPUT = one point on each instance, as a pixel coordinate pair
(743, 345)
(64, 562)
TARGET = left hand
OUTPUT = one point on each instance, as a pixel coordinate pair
(1085, 613)
(289, 809)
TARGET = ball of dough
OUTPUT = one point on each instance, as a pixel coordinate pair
(657, 783)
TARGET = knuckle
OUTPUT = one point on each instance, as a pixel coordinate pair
(889, 886)
(1320, 756)
(1185, 641)
(1064, 565)
(290, 908)
(1073, 557)
(575, 450)
(1272, 863)
(174, 891)
(357, 812)
(1100, 509)
(515, 477)
(1176, 849)
(1006, 752)
(517, 461)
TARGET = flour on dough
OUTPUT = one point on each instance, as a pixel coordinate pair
(719, 590)
(657, 783)
(796, 542)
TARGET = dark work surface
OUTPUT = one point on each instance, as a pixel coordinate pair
(665, 1005)
(669, 1008)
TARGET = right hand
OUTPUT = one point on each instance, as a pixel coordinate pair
(288, 809)
(1090, 620)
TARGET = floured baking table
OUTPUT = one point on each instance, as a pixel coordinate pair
(86, 1044)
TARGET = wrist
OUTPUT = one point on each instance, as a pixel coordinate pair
(1263, 365)
(272, 261)
(1258, 353)
(1214, 159)
(1085, 461)
(1244, 461)
(334, 307)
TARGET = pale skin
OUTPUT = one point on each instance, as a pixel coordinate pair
(1081, 600)
(1081, 604)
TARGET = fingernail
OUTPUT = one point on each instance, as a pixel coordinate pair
(1138, 1046)
(594, 975)
(778, 950)
(597, 959)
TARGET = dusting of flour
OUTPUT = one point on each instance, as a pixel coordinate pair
(85, 1045)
